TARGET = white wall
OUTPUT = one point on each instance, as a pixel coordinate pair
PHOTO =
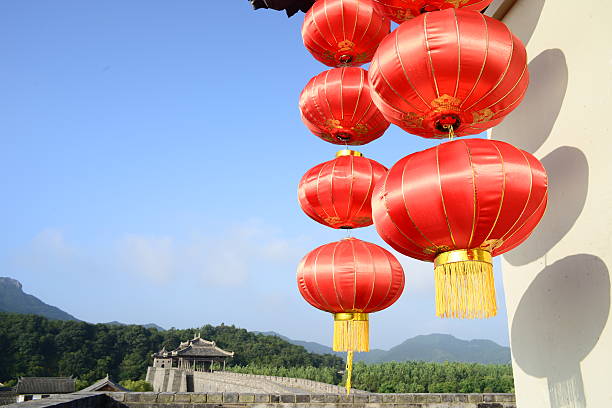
(557, 284)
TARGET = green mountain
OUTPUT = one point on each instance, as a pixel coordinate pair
(444, 347)
(430, 348)
(14, 300)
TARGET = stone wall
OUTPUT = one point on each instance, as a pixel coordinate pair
(210, 400)
(167, 379)
(251, 400)
(178, 380)
(7, 397)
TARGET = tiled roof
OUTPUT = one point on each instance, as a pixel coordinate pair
(45, 385)
(103, 385)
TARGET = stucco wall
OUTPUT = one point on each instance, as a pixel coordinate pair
(557, 284)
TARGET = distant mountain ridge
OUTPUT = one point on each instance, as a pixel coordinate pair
(14, 300)
(430, 347)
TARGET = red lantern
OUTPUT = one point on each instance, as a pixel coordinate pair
(337, 107)
(459, 204)
(338, 193)
(451, 70)
(402, 10)
(350, 278)
(344, 32)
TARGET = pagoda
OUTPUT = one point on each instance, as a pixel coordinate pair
(196, 354)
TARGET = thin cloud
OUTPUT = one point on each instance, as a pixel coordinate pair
(48, 251)
(226, 258)
(151, 257)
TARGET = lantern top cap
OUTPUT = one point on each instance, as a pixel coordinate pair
(348, 152)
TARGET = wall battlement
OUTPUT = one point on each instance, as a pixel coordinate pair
(180, 380)
(251, 400)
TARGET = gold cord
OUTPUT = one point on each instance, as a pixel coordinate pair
(451, 131)
(349, 371)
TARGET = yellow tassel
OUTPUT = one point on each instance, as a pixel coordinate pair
(465, 286)
(351, 332)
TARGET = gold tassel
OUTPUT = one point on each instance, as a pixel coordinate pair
(465, 287)
(351, 332)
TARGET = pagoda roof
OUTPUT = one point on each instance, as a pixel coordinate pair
(196, 347)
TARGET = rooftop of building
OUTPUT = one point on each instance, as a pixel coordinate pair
(45, 385)
(105, 384)
(196, 347)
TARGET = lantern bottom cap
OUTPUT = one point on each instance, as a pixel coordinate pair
(348, 152)
(344, 316)
(463, 255)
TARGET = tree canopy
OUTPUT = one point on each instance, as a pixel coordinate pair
(36, 346)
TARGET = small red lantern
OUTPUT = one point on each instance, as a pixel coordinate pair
(350, 278)
(449, 71)
(458, 204)
(337, 107)
(338, 193)
(402, 10)
(344, 32)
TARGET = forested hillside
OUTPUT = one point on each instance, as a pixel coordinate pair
(35, 346)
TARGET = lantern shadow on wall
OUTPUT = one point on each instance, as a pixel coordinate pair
(558, 322)
(528, 127)
(530, 12)
(568, 184)
(532, 121)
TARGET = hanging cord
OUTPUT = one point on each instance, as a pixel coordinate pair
(451, 131)
(349, 371)
(348, 230)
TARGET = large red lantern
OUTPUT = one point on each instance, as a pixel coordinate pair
(459, 204)
(402, 10)
(337, 107)
(449, 71)
(350, 278)
(344, 32)
(338, 193)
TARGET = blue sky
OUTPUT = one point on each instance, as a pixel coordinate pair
(149, 158)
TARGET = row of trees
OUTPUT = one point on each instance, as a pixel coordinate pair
(35, 346)
(405, 377)
(419, 376)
